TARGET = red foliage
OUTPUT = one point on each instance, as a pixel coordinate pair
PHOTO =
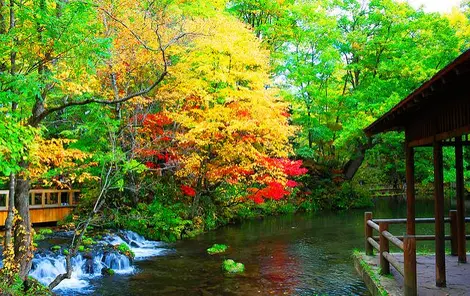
(188, 191)
(291, 168)
(150, 165)
(274, 190)
(291, 183)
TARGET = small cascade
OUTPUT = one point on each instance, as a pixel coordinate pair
(47, 265)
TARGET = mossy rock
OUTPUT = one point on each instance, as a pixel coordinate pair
(217, 248)
(107, 271)
(232, 267)
(88, 241)
(45, 231)
(55, 248)
(65, 252)
(38, 237)
(81, 248)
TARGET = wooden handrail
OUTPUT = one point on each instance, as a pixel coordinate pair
(66, 200)
(404, 243)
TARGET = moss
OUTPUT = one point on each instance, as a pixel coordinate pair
(55, 248)
(45, 231)
(232, 267)
(81, 248)
(125, 250)
(373, 273)
(217, 248)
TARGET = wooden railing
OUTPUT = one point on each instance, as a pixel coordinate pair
(45, 198)
(406, 243)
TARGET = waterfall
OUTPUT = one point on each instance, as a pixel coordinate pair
(48, 265)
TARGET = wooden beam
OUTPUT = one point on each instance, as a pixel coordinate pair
(410, 191)
(439, 215)
(439, 137)
(461, 241)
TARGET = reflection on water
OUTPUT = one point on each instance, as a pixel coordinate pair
(304, 254)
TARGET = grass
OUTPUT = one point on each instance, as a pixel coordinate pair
(373, 273)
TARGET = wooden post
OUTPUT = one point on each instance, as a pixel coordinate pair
(453, 232)
(70, 197)
(59, 198)
(411, 278)
(43, 199)
(410, 191)
(459, 184)
(384, 247)
(368, 233)
(439, 215)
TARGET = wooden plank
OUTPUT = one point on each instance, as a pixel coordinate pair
(410, 192)
(367, 233)
(392, 238)
(394, 262)
(373, 243)
(384, 246)
(409, 268)
(373, 225)
(439, 215)
(439, 137)
(460, 191)
(420, 237)
(453, 232)
(403, 221)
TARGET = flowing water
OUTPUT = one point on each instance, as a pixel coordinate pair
(305, 254)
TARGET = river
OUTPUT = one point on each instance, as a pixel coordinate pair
(302, 254)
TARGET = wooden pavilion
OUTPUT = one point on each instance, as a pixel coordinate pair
(437, 114)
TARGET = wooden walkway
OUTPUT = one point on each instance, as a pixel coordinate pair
(458, 283)
(45, 205)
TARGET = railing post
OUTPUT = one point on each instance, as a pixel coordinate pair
(384, 247)
(411, 278)
(453, 232)
(368, 233)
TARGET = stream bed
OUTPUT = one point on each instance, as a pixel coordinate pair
(302, 254)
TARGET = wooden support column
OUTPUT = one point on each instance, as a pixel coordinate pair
(411, 277)
(439, 215)
(461, 241)
(368, 233)
(410, 191)
(384, 247)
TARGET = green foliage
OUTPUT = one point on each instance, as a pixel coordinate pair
(231, 266)
(45, 231)
(217, 248)
(88, 241)
(125, 250)
(81, 248)
(55, 248)
(154, 221)
(16, 288)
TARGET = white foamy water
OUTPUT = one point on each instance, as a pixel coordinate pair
(47, 267)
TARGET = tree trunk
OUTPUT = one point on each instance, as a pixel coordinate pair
(9, 220)
(22, 228)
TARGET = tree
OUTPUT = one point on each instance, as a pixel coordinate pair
(51, 60)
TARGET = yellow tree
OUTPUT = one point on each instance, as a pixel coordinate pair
(232, 125)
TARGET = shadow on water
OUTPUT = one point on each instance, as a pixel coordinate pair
(303, 254)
